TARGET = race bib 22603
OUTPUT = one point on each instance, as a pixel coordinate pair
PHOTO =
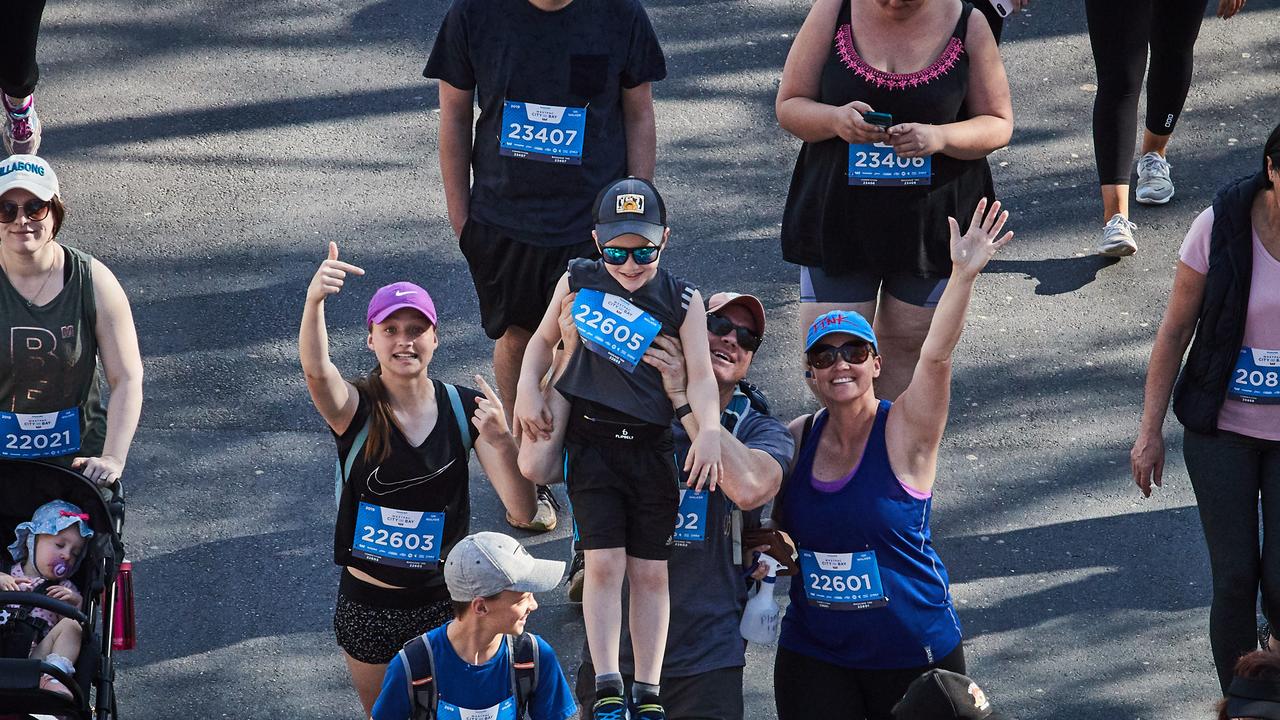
(400, 538)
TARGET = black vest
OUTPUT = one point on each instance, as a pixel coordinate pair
(1202, 386)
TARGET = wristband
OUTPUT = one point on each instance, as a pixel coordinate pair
(683, 410)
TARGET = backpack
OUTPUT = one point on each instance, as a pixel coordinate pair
(343, 471)
(419, 666)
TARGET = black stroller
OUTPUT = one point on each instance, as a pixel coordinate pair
(24, 486)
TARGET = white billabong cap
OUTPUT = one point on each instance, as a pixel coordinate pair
(29, 172)
(486, 563)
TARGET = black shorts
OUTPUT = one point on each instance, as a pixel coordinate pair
(712, 695)
(371, 623)
(623, 485)
(514, 280)
(860, 287)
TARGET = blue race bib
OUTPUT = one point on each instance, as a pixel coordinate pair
(877, 165)
(505, 710)
(400, 538)
(547, 133)
(1256, 377)
(27, 435)
(842, 581)
(614, 328)
(691, 518)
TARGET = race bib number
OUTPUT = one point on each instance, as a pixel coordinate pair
(35, 435)
(877, 165)
(400, 538)
(1256, 377)
(842, 581)
(614, 328)
(505, 710)
(547, 133)
(691, 518)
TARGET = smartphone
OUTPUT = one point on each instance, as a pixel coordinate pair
(1003, 7)
(884, 120)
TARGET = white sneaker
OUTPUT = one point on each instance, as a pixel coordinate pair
(1117, 237)
(21, 128)
(1154, 185)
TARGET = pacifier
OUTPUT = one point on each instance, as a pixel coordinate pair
(60, 569)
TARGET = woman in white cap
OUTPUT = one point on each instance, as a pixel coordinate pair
(64, 322)
(404, 441)
(872, 609)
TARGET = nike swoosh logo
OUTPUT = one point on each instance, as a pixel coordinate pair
(402, 293)
(377, 486)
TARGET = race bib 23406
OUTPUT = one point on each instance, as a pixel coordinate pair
(877, 165)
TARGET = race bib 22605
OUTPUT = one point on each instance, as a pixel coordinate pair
(614, 328)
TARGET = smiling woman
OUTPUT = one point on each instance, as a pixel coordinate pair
(403, 494)
(65, 320)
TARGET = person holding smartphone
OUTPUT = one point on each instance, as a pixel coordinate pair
(898, 108)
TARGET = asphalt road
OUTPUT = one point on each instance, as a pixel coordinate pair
(209, 150)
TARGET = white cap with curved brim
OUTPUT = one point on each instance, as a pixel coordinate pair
(486, 563)
(30, 173)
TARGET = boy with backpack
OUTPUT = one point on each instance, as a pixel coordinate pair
(482, 665)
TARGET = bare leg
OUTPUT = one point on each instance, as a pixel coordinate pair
(1155, 143)
(650, 612)
(367, 680)
(602, 606)
(542, 460)
(1115, 199)
(63, 639)
(900, 329)
(508, 353)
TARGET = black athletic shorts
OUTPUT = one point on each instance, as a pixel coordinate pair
(371, 623)
(514, 280)
(860, 287)
(623, 484)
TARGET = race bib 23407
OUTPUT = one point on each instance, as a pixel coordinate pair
(547, 133)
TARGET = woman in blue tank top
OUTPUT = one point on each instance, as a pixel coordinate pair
(871, 609)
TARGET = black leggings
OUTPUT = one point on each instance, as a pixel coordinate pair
(1120, 31)
(18, 70)
(805, 688)
(1228, 473)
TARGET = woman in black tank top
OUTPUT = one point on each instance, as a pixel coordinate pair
(863, 217)
(64, 321)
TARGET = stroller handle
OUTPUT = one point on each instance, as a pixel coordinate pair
(45, 602)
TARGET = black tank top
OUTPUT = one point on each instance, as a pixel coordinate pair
(49, 354)
(840, 228)
(432, 477)
(638, 395)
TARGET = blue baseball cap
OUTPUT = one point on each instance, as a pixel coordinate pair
(840, 321)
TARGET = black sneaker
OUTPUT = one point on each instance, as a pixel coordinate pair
(577, 576)
(648, 711)
(610, 707)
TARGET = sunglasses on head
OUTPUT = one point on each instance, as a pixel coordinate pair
(822, 357)
(34, 209)
(618, 256)
(721, 326)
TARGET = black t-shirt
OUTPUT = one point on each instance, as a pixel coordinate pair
(431, 477)
(581, 56)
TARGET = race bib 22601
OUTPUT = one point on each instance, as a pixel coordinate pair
(614, 328)
(547, 133)
(877, 165)
(36, 435)
(842, 581)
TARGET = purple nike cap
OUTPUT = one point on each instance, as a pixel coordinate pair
(391, 298)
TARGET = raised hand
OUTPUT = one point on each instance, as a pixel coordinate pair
(971, 252)
(330, 276)
(490, 419)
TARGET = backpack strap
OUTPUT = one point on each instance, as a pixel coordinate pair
(419, 675)
(342, 470)
(459, 415)
(523, 654)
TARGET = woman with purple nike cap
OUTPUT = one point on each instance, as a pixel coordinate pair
(872, 609)
(402, 479)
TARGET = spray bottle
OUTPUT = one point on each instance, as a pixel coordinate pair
(760, 619)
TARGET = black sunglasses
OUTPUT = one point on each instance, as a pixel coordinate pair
(618, 256)
(721, 326)
(822, 357)
(34, 209)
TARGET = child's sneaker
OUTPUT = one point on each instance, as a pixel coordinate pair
(21, 127)
(610, 707)
(53, 684)
(648, 711)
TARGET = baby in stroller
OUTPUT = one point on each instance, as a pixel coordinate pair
(46, 552)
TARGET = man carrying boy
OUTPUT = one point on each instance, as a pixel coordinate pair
(482, 665)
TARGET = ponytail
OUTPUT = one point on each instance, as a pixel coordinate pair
(378, 447)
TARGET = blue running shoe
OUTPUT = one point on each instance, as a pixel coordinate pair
(611, 707)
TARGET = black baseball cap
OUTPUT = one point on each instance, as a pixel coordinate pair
(1253, 698)
(630, 205)
(944, 695)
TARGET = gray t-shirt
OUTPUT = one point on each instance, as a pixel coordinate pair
(708, 591)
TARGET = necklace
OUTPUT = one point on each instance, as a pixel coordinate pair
(31, 302)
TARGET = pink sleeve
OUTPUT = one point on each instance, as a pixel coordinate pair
(1195, 247)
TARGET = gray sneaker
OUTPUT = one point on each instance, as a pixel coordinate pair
(1154, 185)
(544, 520)
(1117, 237)
(21, 128)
